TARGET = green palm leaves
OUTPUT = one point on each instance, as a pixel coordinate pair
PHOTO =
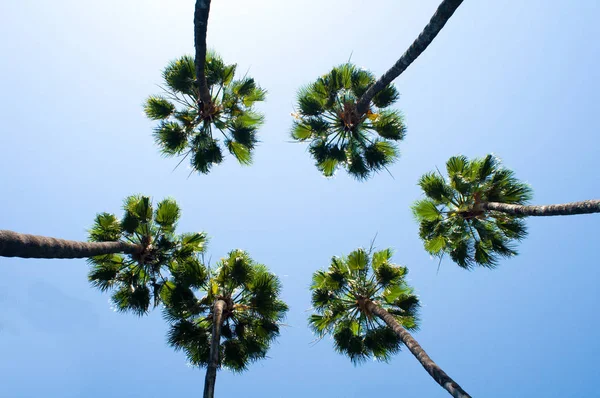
(251, 319)
(167, 269)
(339, 295)
(453, 221)
(137, 280)
(339, 135)
(189, 128)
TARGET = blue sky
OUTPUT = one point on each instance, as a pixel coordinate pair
(519, 79)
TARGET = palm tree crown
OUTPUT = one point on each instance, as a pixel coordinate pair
(138, 279)
(327, 117)
(188, 127)
(251, 318)
(339, 295)
(453, 221)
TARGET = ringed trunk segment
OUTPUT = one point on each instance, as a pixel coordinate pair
(435, 25)
(431, 367)
(213, 364)
(14, 244)
(566, 209)
(200, 27)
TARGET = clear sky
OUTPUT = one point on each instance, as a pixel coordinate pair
(516, 78)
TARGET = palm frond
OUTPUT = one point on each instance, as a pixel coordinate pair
(133, 298)
(167, 214)
(179, 75)
(106, 228)
(171, 137)
(158, 108)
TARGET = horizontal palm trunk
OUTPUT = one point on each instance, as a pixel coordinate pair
(566, 209)
(213, 364)
(435, 25)
(200, 27)
(14, 244)
(431, 367)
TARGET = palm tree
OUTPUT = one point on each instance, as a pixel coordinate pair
(138, 280)
(364, 302)
(128, 256)
(187, 129)
(232, 323)
(338, 135)
(106, 237)
(476, 214)
(201, 99)
(344, 113)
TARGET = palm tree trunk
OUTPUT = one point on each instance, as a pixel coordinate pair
(437, 22)
(431, 367)
(213, 364)
(14, 244)
(200, 26)
(566, 209)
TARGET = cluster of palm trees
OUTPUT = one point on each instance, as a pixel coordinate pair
(229, 315)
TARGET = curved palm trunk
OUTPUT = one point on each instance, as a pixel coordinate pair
(14, 244)
(200, 26)
(431, 367)
(213, 364)
(566, 209)
(437, 22)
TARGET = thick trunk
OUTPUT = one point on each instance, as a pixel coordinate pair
(431, 367)
(213, 364)
(566, 209)
(437, 22)
(200, 26)
(13, 244)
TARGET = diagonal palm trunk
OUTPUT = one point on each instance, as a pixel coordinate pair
(200, 26)
(566, 209)
(14, 244)
(431, 367)
(213, 364)
(437, 22)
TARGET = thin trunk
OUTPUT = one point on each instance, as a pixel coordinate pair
(566, 209)
(431, 367)
(14, 244)
(213, 364)
(437, 22)
(200, 26)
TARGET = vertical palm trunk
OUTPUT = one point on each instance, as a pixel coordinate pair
(431, 367)
(566, 209)
(13, 244)
(213, 364)
(200, 26)
(437, 22)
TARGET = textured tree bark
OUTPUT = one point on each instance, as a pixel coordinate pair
(566, 209)
(437, 22)
(13, 244)
(200, 26)
(213, 364)
(431, 367)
